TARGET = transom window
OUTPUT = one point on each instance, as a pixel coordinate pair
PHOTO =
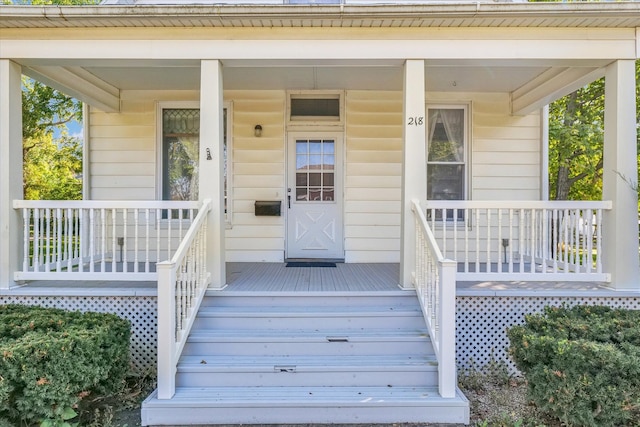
(181, 152)
(447, 153)
(315, 108)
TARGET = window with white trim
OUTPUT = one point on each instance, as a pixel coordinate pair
(180, 148)
(447, 163)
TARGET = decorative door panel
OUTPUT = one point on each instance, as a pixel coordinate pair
(314, 196)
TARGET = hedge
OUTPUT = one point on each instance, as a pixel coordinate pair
(51, 359)
(582, 364)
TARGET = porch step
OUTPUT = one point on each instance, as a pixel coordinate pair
(348, 371)
(308, 342)
(301, 405)
(277, 317)
(264, 358)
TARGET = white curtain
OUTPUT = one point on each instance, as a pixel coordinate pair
(453, 121)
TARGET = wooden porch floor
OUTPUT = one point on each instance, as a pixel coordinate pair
(276, 277)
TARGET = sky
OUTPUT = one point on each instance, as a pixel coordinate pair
(74, 129)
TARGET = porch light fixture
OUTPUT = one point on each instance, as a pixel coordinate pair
(257, 131)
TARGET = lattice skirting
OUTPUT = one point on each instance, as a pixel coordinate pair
(481, 322)
(140, 311)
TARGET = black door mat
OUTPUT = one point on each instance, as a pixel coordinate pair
(311, 264)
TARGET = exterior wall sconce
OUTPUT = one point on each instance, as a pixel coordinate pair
(257, 131)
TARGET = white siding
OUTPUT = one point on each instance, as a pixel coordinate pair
(259, 174)
(373, 176)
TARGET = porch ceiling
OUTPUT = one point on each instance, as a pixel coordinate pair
(99, 83)
(439, 78)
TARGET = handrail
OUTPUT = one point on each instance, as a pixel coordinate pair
(182, 283)
(517, 204)
(107, 204)
(435, 283)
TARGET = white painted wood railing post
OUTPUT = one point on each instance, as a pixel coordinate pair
(447, 377)
(166, 330)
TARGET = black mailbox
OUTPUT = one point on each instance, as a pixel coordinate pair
(268, 207)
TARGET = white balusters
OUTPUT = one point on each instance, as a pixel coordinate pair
(182, 282)
(435, 285)
(84, 240)
(521, 240)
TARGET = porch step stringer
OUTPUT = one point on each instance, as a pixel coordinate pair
(315, 358)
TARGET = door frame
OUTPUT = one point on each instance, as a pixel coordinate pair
(339, 179)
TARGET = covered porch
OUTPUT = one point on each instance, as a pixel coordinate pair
(413, 225)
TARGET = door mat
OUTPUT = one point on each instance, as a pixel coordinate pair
(311, 264)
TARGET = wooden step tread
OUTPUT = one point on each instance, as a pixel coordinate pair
(301, 311)
(305, 335)
(206, 363)
(303, 397)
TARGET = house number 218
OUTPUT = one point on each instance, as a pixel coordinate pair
(416, 121)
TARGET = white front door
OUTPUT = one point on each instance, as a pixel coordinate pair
(314, 195)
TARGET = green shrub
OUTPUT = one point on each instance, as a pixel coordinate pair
(50, 360)
(582, 364)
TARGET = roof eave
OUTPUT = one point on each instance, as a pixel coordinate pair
(118, 15)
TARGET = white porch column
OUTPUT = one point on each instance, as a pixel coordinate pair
(211, 167)
(10, 170)
(414, 163)
(620, 225)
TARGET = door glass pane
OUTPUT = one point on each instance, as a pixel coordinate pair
(302, 162)
(328, 179)
(314, 193)
(301, 179)
(313, 158)
(301, 193)
(327, 194)
(301, 147)
(314, 179)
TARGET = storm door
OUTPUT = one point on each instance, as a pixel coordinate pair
(314, 196)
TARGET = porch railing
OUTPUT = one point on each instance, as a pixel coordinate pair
(521, 240)
(100, 240)
(435, 283)
(182, 282)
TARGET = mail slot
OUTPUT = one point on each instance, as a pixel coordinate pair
(268, 207)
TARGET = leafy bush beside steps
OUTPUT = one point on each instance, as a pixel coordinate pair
(51, 360)
(582, 364)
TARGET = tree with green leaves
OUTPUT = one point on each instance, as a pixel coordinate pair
(52, 166)
(576, 137)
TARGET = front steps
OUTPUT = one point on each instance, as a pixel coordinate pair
(307, 358)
